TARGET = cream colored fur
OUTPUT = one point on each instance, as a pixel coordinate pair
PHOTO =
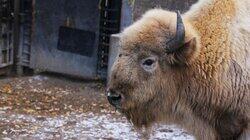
(216, 77)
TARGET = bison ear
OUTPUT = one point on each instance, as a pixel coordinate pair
(185, 54)
(190, 44)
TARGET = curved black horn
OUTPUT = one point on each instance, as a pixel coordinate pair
(175, 43)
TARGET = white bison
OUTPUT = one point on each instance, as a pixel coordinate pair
(192, 70)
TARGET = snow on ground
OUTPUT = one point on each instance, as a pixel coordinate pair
(83, 126)
(30, 109)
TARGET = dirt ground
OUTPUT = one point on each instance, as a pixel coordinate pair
(53, 107)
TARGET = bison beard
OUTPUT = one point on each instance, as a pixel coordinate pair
(140, 116)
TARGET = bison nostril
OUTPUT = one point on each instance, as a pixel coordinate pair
(114, 99)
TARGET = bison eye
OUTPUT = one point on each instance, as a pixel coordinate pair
(149, 64)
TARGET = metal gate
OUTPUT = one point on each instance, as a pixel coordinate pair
(6, 34)
(110, 15)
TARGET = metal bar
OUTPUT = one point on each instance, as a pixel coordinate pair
(104, 44)
(109, 21)
(104, 34)
(26, 61)
(7, 47)
(109, 29)
(26, 52)
(17, 47)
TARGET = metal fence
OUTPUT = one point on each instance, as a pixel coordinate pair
(110, 13)
(6, 33)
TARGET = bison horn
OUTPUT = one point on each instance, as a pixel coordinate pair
(175, 43)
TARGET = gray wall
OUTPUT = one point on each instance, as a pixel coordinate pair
(49, 16)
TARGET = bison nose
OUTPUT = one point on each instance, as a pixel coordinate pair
(114, 98)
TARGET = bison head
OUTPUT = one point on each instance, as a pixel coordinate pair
(147, 73)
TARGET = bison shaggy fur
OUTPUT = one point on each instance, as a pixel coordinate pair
(204, 86)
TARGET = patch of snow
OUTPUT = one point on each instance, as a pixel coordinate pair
(38, 78)
(6, 138)
(88, 126)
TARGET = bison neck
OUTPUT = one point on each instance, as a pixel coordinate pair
(218, 74)
(216, 86)
(211, 21)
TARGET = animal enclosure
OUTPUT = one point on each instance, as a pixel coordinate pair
(68, 37)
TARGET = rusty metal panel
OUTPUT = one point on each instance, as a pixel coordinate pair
(76, 41)
(49, 16)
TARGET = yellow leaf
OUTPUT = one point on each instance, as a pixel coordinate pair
(29, 110)
(6, 89)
